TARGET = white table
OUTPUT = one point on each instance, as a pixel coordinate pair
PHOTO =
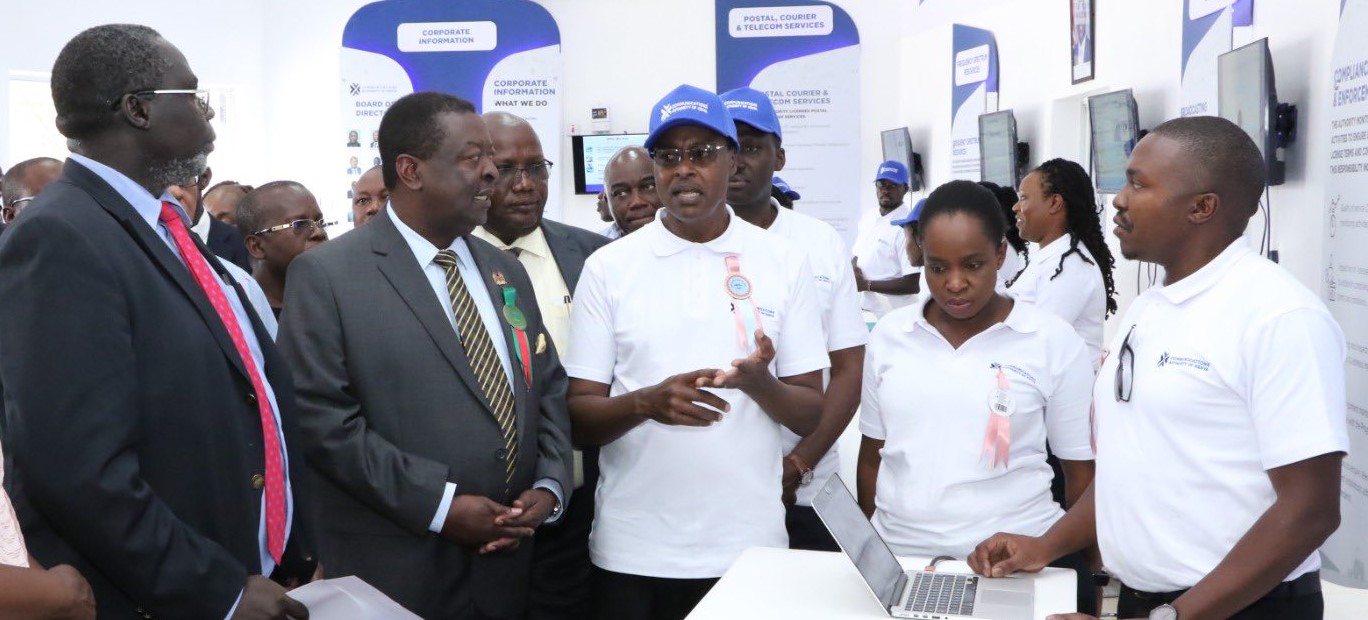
(784, 583)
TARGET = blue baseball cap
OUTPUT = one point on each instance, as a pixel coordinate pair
(752, 107)
(690, 105)
(912, 217)
(783, 186)
(893, 171)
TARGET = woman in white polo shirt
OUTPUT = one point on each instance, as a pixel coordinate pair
(956, 390)
(1070, 275)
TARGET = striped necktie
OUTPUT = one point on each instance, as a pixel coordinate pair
(484, 360)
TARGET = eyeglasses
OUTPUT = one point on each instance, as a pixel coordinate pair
(509, 175)
(301, 227)
(1125, 369)
(699, 155)
(201, 97)
(16, 201)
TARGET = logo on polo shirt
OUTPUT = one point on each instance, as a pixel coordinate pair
(670, 109)
(1195, 363)
(749, 105)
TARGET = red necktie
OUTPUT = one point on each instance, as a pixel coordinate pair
(275, 473)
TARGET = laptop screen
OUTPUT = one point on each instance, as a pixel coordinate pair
(856, 536)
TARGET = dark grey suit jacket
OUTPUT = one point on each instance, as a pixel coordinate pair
(133, 426)
(570, 246)
(391, 412)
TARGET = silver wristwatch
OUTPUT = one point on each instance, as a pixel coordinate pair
(1164, 612)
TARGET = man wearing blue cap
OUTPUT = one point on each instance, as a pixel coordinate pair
(913, 249)
(656, 315)
(882, 273)
(749, 192)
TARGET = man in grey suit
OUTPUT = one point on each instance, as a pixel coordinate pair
(553, 254)
(432, 404)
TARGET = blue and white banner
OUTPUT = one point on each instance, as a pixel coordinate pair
(1207, 27)
(1346, 280)
(806, 56)
(974, 90)
(498, 54)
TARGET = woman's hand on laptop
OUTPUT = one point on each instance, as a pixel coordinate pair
(1004, 554)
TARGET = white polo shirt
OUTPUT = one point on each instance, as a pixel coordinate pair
(844, 324)
(1078, 295)
(674, 501)
(1012, 264)
(1238, 369)
(881, 253)
(937, 494)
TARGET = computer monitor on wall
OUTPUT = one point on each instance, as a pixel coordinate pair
(591, 154)
(1248, 97)
(1114, 124)
(998, 162)
(897, 146)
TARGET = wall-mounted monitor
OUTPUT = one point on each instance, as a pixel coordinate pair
(1115, 127)
(1247, 97)
(897, 146)
(591, 154)
(998, 149)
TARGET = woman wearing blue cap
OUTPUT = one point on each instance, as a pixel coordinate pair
(956, 389)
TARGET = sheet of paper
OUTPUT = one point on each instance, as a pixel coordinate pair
(347, 598)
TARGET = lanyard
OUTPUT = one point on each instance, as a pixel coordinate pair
(739, 287)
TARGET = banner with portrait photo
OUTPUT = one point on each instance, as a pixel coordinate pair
(498, 54)
(805, 55)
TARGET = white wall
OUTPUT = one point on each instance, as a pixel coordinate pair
(1137, 47)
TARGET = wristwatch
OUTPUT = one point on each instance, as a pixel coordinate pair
(804, 472)
(1164, 612)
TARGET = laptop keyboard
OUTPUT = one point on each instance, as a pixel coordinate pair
(942, 594)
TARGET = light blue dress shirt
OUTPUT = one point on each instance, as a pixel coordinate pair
(425, 252)
(149, 210)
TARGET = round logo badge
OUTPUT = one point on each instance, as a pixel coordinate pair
(515, 317)
(738, 286)
(1000, 402)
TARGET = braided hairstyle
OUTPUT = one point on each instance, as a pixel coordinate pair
(1071, 182)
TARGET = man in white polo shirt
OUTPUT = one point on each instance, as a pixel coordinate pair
(1220, 407)
(750, 195)
(883, 276)
(697, 299)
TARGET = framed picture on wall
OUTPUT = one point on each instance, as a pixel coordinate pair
(1081, 46)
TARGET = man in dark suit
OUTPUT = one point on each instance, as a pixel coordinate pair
(227, 243)
(553, 254)
(433, 405)
(151, 420)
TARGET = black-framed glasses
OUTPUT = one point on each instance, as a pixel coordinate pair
(201, 97)
(1125, 369)
(509, 175)
(698, 155)
(300, 227)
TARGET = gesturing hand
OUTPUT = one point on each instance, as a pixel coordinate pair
(749, 372)
(676, 400)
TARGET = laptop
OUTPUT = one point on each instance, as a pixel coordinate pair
(941, 595)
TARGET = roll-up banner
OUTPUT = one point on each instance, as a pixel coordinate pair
(1346, 281)
(806, 56)
(498, 54)
(1207, 27)
(974, 90)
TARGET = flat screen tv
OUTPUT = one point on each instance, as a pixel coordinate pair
(591, 154)
(1114, 123)
(1246, 96)
(998, 149)
(897, 146)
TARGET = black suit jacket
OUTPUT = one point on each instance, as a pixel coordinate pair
(133, 428)
(226, 242)
(392, 411)
(571, 245)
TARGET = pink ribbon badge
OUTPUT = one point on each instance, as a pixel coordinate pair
(1001, 406)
